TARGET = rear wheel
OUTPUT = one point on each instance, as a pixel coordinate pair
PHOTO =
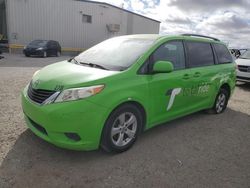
(121, 128)
(221, 101)
(58, 53)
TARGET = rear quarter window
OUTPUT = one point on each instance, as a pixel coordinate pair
(222, 53)
(199, 54)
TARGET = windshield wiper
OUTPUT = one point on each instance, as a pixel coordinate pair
(73, 59)
(94, 65)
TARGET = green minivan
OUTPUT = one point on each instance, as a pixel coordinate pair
(106, 96)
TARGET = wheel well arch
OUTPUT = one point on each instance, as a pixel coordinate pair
(141, 109)
(227, 87)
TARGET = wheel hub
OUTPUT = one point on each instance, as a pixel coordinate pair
(220, 102)
(124, 129)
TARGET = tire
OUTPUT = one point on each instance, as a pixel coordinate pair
(121, 129)
(27, 55)
(220, 103)
(45, 54)
(58, 54)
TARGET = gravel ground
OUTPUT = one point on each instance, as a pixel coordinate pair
(19, 60)
(199, 150)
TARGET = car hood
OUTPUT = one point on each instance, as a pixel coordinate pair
(63, 75)
(35, 46)
(245, 62)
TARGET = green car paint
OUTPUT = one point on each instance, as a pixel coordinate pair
(162, 96)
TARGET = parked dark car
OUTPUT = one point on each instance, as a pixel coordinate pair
(1, 57)
(1, 38)
(43, 48)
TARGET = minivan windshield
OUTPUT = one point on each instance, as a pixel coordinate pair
(41, 43)
(117, 53)
(245, 55)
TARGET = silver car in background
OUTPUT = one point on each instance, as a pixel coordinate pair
(243, 67)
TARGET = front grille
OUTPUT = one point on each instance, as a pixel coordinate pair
(244, 68)
(30, 49)
(38, 127)
(39, 95)
(243, 78)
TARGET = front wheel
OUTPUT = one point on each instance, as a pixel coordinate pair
(221, 101)
(45, 54)
(121, 128)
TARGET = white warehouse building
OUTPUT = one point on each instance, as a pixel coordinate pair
(75, 24)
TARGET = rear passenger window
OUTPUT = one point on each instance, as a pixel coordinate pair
(222, 53)
(53, 44)
(171, 51)
(199, 54)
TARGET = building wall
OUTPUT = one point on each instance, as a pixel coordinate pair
(61, 20)
(142, 25)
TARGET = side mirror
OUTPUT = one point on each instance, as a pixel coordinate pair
(163, 67)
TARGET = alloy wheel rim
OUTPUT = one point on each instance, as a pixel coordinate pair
(220, 104)
(124, 129)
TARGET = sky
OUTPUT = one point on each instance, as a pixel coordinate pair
(228, 20)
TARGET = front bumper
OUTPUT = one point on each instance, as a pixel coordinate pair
(54, 121)
(33, 52)
(243, 76)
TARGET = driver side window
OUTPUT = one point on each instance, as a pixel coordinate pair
(49, 45)
(171, 51)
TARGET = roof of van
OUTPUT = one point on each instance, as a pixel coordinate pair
(183, 36)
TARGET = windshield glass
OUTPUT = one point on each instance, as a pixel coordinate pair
(245, 55)
(38, 43)
(117, 53)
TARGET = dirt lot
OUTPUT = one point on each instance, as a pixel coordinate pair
(199, 150)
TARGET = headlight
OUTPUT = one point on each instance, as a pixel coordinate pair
(78, 93)
(36, 72)
(24, 47)
(39, 48)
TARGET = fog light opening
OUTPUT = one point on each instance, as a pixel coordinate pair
(73, 136)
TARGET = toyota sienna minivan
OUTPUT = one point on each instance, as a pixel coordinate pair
(106, 96)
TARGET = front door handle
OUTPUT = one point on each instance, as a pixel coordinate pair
(197, 74)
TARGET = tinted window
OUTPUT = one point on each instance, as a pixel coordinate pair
(56, 44)
(53, 44)
(171, 51)
(39, 43)
(49, 44)
(222, 53)
(199, 54)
